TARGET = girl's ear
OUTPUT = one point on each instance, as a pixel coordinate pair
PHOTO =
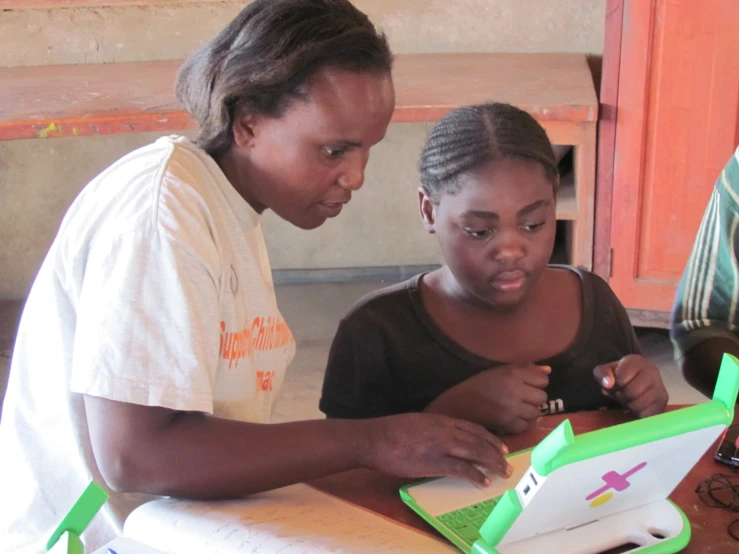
(427, 210)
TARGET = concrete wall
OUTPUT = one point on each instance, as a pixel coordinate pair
(39, 178)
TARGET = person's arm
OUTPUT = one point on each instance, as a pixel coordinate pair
(704, 316)
(192, 455)
(701, 364)
(146, 356)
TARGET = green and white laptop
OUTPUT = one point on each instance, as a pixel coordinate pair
(588, 493)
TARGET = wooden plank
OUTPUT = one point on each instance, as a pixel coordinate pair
(566, 199)
(607, 137)
(582, 235)
(49, 4)
(80, 100)
(649, 318)
(563, 132)
(552, 87)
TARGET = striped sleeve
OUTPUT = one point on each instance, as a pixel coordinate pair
(706, 303)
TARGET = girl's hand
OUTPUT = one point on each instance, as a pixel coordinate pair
(635, 382)
(504, 399)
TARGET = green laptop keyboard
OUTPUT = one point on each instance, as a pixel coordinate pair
(466, 522)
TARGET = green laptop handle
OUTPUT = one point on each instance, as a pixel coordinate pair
(78, 518)
(552, 445)
(506, 511)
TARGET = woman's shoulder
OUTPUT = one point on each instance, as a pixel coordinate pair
(143, 170)
(171, 161)
(121, 197)
(150, 158)
(152, 191)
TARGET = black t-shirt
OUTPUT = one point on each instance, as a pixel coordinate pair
(389, 357)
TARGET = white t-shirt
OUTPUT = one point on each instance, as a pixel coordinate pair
(156, 291)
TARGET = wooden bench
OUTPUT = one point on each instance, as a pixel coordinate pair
(557, 89)
(49, 4)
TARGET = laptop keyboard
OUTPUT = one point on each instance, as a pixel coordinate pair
(466, 522)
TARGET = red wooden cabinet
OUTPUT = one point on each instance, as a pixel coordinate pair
(670, 112)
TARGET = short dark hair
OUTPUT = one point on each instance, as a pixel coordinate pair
(472, 136)
(262, 60)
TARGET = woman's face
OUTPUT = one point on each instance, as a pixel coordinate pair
(305, 164)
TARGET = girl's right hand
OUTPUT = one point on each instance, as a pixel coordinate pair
(431, 445)
(505, 399)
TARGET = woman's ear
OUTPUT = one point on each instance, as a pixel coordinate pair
(245, 128)
(427, 210)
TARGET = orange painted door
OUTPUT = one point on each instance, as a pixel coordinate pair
(676, 126)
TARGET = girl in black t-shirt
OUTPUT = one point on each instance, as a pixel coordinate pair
(497, 336)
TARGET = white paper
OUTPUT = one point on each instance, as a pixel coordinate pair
(293, 520)
(122, 545)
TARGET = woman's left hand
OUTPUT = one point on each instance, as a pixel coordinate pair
(635, 382)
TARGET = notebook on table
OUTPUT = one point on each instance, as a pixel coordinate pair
(298, 519)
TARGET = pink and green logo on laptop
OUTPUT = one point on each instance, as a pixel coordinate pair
(615, 481)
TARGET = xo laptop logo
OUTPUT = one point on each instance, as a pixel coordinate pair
(615, 481)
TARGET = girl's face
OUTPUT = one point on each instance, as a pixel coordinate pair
(305, 164)
(497, 233)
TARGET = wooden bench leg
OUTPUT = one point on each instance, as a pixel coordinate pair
(581, 252)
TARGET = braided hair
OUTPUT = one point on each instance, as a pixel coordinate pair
(472, 136)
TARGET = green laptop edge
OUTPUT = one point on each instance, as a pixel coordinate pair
(561, 448)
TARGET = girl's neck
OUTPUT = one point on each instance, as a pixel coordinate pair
(452, 290)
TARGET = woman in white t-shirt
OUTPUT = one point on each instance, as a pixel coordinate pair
(151, 348)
